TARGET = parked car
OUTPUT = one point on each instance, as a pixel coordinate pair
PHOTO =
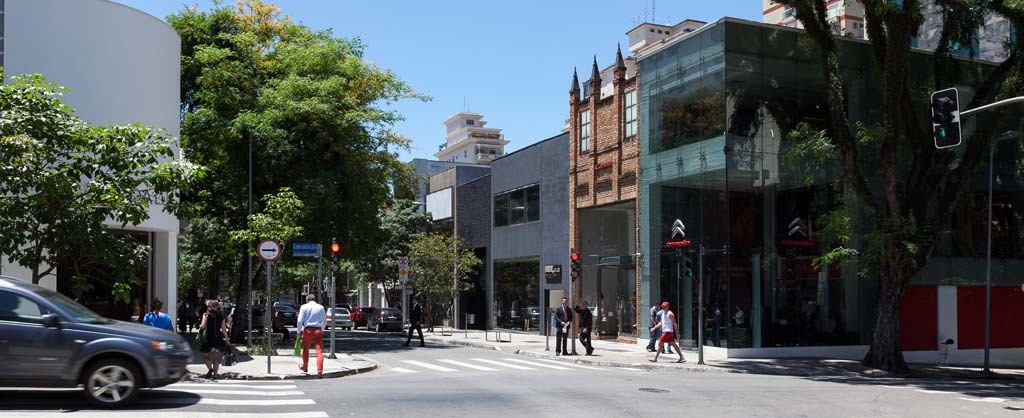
(342, 321)
(360, 315)
(286, 314)
(386, 319)
(49, 340)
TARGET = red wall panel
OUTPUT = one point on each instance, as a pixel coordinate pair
(919, 323)
(1007, 317)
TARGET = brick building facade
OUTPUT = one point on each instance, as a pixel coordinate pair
(603, 127)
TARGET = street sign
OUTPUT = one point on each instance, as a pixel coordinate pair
(304, 249)
(268, 250)
(403, 270)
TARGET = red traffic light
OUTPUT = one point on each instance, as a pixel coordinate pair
(574, 256)
(335, 248)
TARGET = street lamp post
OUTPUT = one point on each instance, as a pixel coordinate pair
(248, 271)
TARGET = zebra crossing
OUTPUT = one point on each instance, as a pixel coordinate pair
(484, 365)
(221, 399)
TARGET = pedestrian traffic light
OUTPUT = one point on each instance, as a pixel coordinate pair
(688, 264)
(946, 118)
(574, 263)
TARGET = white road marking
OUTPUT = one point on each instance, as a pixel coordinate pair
(402, 370)
(208, 385)
(632, 369)
(932, 391)
(992, 400)
(244, 392)
(428, 366)
(579, 366)
(175, 414)
(232, 402)
(471, 366)
(498, 363)
(538, 364)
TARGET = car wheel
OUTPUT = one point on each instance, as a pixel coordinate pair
(111, 383)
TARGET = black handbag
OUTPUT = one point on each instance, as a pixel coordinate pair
(229, 357)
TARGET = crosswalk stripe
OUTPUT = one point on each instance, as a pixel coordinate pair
(429, 366)
(993, 400)
(402, 370)
(208, 385)
(244, 392)
(498, 363)
(550, 366)
(245, 382)
(579, 366)
(471, 366)
(231, 402)
(176, 414)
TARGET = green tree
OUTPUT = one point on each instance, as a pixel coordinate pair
(432, 268)
(910, 193)
(398, 226)
(63, 180)
(312, 110)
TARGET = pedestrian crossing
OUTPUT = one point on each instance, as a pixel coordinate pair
(221, 399)
(477, 364)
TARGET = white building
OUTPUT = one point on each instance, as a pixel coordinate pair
(468, 141)
(120, 66)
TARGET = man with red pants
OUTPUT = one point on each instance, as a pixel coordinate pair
(312, 318)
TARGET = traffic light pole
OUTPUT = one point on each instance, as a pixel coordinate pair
(700, 304)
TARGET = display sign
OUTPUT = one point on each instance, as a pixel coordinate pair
(305, 249)
(553, 273)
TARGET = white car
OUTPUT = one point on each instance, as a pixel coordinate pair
(342, 321)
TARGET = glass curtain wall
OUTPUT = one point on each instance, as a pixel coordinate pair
(517, 294)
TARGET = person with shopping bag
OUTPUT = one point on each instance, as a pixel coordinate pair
(311, 323)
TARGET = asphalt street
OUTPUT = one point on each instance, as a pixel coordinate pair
(446, 381)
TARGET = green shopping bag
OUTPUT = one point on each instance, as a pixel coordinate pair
(298, 347)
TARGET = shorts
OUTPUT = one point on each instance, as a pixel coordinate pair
(667, 337)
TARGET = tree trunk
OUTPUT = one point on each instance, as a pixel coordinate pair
(885, 352)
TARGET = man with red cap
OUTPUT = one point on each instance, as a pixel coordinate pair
(668, 333)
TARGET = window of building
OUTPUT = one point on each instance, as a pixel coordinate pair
(585, 131)
(631, 112)
(470, 122)
(517, 206)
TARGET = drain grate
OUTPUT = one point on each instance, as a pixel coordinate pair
(653, 390)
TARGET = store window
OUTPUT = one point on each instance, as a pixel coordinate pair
(501, 210)
(517, 206)
(517, 294)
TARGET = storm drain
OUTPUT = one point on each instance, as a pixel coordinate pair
(653, 390)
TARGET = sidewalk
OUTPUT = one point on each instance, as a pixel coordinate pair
(614, 354)
(284, 366)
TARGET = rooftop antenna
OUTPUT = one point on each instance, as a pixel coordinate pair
(654, 11)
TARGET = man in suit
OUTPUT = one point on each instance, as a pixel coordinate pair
(564, 317)
(415, 317)
(586, 326)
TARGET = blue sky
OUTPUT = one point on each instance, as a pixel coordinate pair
(511, 61)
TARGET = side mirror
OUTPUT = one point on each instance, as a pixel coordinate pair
(51, 321)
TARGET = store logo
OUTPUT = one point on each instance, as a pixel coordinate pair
(677, 239)
(798, 227)
(799, 234)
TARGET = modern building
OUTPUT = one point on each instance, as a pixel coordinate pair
(468, 141)
(120, 66)
(603, 178)
(528, 262)
(423, 169)
(715, 106)
(458, 204)
(848, 19)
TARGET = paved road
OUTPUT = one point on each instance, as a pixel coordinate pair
(442, 381)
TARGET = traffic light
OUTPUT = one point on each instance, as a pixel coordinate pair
(335, 250)
(574, 263)
(946, 118)
(688, 264)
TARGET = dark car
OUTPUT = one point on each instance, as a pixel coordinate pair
(286, 315)
(49, 340)
(386, 319)
(360, 315)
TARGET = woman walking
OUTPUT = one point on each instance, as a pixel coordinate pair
(216, 337)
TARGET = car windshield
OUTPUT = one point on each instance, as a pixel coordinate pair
(78, 312)
(391, 311)
(341, 311)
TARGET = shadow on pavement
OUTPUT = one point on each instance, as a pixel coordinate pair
(71, 400)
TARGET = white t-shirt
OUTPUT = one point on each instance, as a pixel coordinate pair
(666, 323)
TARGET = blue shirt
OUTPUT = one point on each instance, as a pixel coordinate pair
(311, 314)
(158, 320)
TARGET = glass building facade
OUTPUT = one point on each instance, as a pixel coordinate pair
(717, 108)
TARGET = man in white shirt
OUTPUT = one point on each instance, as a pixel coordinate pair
(311, 322)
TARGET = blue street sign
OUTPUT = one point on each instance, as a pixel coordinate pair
(304, 249)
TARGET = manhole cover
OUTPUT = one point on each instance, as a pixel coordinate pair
(653, 390)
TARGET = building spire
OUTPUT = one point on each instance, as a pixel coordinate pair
(575, 87)
(619, 64)
(595, 74)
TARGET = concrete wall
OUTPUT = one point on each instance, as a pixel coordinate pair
(546, 163)
(473, 212)
(120, 66)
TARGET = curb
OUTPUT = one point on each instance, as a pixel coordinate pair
(327, 375)
(648, 367)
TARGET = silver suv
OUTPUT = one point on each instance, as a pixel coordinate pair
(49, 340)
